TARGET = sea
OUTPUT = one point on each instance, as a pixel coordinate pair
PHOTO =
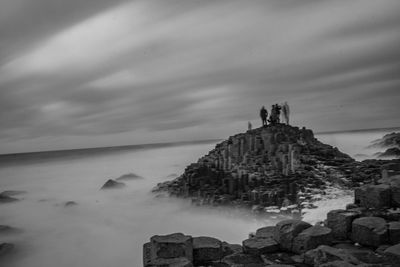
(107, 228)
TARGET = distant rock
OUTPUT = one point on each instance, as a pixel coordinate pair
(390, 152)
(6, 229)
(10, 193)
(387, 141)
(7, 199)
(129, 176)
(70, 203)
(6, 248)
(111, 184)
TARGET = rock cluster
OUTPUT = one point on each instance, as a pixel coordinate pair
(265, 168)
(392, 144)
(366, 233)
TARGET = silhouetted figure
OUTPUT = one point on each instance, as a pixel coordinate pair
(249, 126)
(275, 113)
(263, 115)
(286, 112)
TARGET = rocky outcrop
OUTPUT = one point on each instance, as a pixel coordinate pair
(268, 168)
(392, 144)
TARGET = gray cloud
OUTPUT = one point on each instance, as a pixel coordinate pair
(107, 72)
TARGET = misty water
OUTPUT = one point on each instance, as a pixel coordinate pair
(108, 227)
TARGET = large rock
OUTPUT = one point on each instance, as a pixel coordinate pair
(206, 249)
(312, 238)
(287, 230)
(394, 232)
(241, 259)
(369, 231)
(111, 184)
(171, 246)
(340, 222)
(337, 264)
(129, 176)
(7, 199)
(258, 246)
(324, 254)
(266, 232)
(373, 196)
(392, 255)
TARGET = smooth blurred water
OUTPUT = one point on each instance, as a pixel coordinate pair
(108, 228)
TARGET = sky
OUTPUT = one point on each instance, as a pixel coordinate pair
(90, 73)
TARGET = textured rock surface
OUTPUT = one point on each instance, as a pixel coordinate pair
(370, 231)
(287, 230)
(324, 254)
(312, 238)
(340, 222)
(206, 249)
(258, 246)
(373, 196)
(266, 232)
(392, 254)
(241, 258)
(171, 246)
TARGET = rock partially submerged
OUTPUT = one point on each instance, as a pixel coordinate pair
(6, 248)
(129, 176)
(11, 193)
(6, 229)
(7, 199)
(111, 184)
(70, 203)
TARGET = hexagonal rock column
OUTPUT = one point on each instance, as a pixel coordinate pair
(206, 249)
(175, 245)
(265, 232)
(392, 255)
(312, 238)
(369, 231)
(258, 246)
(340, 222)
(373, 196)
(287, 230)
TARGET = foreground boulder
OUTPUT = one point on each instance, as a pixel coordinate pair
(206, 250)
(311, 238)
(392, 255)
(340, 222)
(110, 184)
(258, 246)
(369, 231)
(287, 230)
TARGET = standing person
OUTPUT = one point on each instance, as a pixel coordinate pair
(263, 115)
(286, 112)
(278, 112)
(249, 126)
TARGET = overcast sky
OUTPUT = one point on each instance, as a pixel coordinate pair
(85, 73)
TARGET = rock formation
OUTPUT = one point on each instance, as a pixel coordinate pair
(277, 165)
(367, 233)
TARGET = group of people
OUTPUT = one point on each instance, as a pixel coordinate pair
(275, 115)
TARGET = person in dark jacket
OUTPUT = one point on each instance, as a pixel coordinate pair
(264, 116)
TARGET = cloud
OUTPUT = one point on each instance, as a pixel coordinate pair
(147, 71)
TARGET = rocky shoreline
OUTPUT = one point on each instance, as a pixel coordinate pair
(367, 233)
